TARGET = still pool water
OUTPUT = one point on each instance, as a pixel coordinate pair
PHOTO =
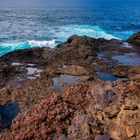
(106, 76)
(130, 59)
(8, 112)
(58, 81)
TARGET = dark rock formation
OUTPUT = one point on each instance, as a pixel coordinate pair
(134, 39)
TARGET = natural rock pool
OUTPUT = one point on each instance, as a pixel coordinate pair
(58, 81)
(33, 73)
(106, 76)
(131, 59)
(8, 112)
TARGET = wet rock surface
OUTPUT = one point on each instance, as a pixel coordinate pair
(78, 90)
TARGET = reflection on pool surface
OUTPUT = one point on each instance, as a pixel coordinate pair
(58, 81)
(8, 112)
(106, 76)
(130, 59)
(102, 54)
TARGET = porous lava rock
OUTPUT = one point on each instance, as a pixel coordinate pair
(90, 109)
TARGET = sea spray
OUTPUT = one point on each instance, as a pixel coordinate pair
(7, 47)
(61, 34)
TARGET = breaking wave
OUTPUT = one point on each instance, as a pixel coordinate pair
(92, 31)
(7, 47)
(61, 34)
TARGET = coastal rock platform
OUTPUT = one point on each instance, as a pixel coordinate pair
(84, 88)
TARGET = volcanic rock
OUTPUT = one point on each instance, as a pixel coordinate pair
(75, 70)
(88, 109)
(134, 39)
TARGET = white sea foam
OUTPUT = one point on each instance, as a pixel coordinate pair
(35, 43)
(30, 43)
(91, 31)
(62, 33)
(7, 47)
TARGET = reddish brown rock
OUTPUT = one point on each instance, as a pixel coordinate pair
(49, 117)
(89, 109)
(77, 113)
(75, 70)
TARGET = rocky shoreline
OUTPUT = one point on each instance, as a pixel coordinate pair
(84, 88)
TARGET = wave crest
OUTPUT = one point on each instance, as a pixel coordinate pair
(7, 47)
(61, 34)
(91, 31)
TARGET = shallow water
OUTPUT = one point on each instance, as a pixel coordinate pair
(126, 45)
(106, 76)
(8, 112)
(33, 73)
(131, 59)
(63, 79)
(102, 137)
(102, 55)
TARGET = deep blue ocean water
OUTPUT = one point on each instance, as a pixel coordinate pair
(42, 24)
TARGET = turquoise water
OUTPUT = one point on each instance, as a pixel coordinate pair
(61, 35)
(47, 24)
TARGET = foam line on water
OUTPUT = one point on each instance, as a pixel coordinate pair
(61, 34)
(7, 47)
(92, 31)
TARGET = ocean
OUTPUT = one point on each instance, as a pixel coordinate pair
(48, 24)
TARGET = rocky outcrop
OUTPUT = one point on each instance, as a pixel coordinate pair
(99, 109)
(89, 108)
(76, 48)
(134, 39)
(53, 117)
(75, 70)
(33, 55)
